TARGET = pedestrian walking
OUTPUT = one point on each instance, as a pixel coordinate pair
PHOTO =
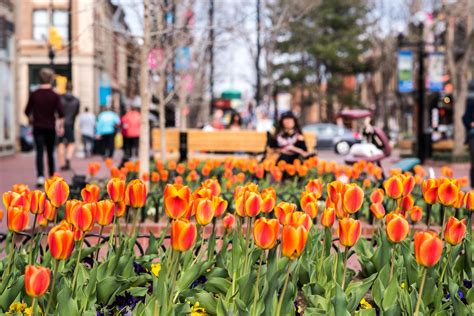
(468, 121)
(107, 123)
(87, 128)
(71, 106)
(130, 124)
(45, 113)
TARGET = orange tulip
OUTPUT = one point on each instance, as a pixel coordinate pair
(105, 212)
(164, 174)
(70, 204)
(377, 196)
(406, 203)
(120, 208)
(90, 193)
(204, 211)
(219, 205)
(428, 248)
(37, 199)
(17, 219)
(21, 188)
(49, 212)
(455, 231)
(249, 204)
(349, 231)
(300, 219)
(328, 217)
(61, 241)
(283, 212)
(469, 200)
(378, 210)
(176, 200)
(265, 232)
(459, 200)
(429, 189)
(393, 187)
(183, 235)
(228, 221)
(316, 187)
(93, 168)
(293, 241)
(82, 216)
(397, 227)
(135, 194)
(57, 190)
(416, 213)
(353, 198)
(408, 183)
(306, 198)
(21, 200)
(447, 172)
(213, 185)
(36, 280)
(116, 189)
(268, 199)
(311, 209)
(448, 192)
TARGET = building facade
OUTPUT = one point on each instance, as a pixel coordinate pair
(95, 54)
(7, 78)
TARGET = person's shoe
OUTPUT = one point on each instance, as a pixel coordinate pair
(40, 182)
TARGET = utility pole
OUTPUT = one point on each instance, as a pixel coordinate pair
(69, 35)
(144, 146)
(51, 53)
(423, 149)
(211, 52)
(257, 59)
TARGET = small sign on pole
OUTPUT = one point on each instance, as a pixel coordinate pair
(405, 71)
(436, 71)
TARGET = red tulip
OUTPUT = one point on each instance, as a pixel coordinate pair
(406, 203)
(61, 241)
(183, 235)
(349, 231)
(428, 248)
(36, 280)
(228, 221)
(265, 232)
(455, 231)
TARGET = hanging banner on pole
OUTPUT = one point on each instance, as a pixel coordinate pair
(405, 71)
(436, 71)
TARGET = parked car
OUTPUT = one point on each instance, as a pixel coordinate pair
(331, 136)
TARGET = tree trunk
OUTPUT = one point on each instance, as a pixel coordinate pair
(459, 107)
(144, 149)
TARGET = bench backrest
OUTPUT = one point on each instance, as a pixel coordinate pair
(220, 141)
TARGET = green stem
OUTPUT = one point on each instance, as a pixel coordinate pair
(445, 266)
(420, 293)
(201, 247)
(247, 233)
(32, 239)
(112, 235)
(254, 306)
(73, 286)
(444, 221)
(135, 219)
(98, 244)
(33, 306)
(280, 301)
(10, 255)
(53, 286)
(392, 262)
(346, 253)
(173, 282)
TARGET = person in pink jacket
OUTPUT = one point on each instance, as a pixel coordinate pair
(131, 132)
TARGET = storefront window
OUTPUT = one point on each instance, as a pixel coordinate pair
(41, 24)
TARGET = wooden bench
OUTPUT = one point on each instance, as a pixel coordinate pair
(223, 141)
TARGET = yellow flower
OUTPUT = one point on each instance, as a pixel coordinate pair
(403, 285)
(155, 269)
(198, 311)
(16, 307)
(364, 304)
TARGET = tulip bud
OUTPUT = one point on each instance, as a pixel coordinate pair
(228, 221)
(61, 241)
(265, 232)
(17, 219)
(377, 196)
(328, 217)
(293, 241)
(397, 227)
(116, 189)
(416, 213)
(90, 193)
(183, 235)
(204, 211)
(36, 280)
(57, 190)
(455, 231)
(349, 231)
(469, 200)
(105, 212)
(428, 248)
(378, 210)
(135, 194)
(177, 200)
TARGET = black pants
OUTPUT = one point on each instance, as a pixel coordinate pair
(44, 138)
(471, 154)
(130, 146)
(108, 143)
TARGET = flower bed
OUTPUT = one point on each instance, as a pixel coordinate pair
(241, 237)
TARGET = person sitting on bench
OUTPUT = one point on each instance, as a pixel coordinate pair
(288, 140)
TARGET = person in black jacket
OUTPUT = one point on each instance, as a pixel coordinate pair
(66, 142)
(468, 121)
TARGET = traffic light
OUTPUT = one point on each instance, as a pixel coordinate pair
(54, 38)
